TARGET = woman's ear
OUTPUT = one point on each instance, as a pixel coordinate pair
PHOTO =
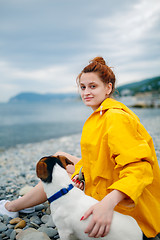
(108, 88)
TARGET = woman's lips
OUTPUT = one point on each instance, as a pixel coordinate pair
(88, 98)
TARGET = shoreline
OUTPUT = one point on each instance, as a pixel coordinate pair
(48, 142)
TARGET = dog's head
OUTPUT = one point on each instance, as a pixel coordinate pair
(45, 166)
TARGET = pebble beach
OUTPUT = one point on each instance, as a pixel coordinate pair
(17, 170)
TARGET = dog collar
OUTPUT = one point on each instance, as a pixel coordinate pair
(60, 193)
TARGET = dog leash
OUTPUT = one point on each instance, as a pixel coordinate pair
(81, 176)
(60, 193)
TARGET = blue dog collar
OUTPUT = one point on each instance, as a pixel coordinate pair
(60, 193)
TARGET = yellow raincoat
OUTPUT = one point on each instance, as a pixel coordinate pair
(118, 153)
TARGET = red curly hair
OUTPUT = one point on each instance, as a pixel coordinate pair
(98, 65)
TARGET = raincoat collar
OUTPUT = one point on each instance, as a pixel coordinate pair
(110, 103)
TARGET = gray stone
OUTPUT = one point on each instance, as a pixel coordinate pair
(10, 226)
(5, 238)
(8, 232)
(42, 228)
(45, 218)
(50, 222)
(6, 218)
(3, 227)
(35, 219)
(30, 234)
(39, 207)
(13, 235)
(49, 231)
(34, 225)
(26, 227)
(48, 211)
(2, 234)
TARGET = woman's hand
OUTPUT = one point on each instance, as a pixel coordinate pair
(102, 213)
(78, 184)
(100, 223)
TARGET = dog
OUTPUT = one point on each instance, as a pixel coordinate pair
(68, 204)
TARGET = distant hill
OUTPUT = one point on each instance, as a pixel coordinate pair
(130, 89)
(37, 97)
(147, 85)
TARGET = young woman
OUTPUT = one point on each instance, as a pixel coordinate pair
(118, 160)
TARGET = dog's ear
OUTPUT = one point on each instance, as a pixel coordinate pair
(41, 170)
(65, 161)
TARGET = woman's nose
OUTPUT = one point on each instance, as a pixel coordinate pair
(87, 91)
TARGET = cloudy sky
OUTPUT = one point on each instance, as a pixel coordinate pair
(44, 44)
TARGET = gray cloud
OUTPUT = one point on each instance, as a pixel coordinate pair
(44, 44)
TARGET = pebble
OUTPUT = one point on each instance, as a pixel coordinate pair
(30, 234)
(50, 222)
(13, 235)
(3, 227)
(21, 224)
(45, 218)
(15, 220)
(34, 225)
(10, 226)
(8, 232)
(49, 231)
(39, 207)
(36, 220)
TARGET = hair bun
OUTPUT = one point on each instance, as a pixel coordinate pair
(99, 60)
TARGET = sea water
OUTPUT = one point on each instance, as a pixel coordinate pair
(22, 123)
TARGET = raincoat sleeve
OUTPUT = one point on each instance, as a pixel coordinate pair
(77, 168)
(132, 155)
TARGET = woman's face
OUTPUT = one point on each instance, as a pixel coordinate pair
(93, 90)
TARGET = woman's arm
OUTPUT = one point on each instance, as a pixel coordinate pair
(102, 214)
(70, 168)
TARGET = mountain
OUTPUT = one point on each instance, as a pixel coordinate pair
(147, 85)
(37, 97)
(131, 89)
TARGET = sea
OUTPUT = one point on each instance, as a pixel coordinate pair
(22, 123)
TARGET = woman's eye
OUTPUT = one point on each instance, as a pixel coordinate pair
(82, 87)
(93, 86)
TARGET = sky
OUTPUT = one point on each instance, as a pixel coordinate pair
(44, 44)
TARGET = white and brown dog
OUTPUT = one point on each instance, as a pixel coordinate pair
(68, 204)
